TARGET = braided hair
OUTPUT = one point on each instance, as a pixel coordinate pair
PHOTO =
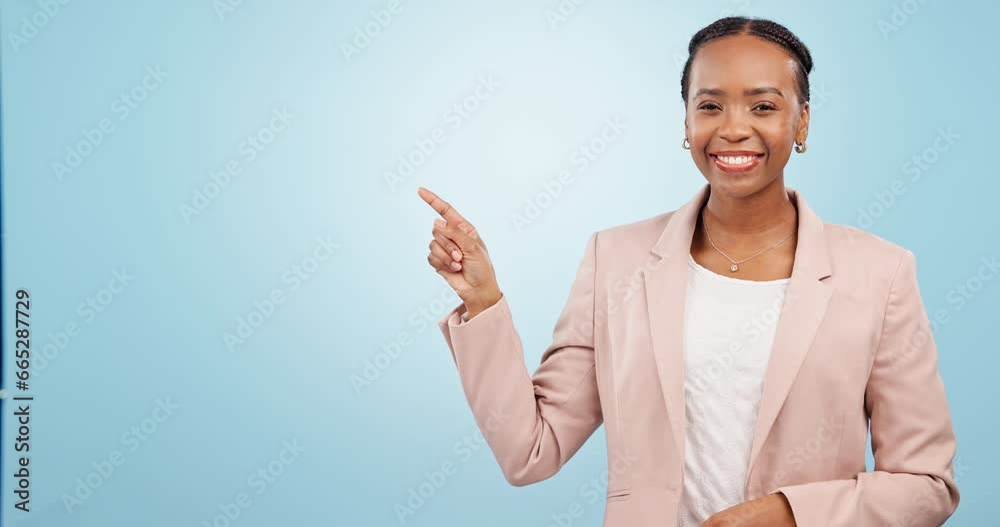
(758, 27)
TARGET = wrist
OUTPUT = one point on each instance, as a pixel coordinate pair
(477, 305)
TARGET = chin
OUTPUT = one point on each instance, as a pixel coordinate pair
(738, 185)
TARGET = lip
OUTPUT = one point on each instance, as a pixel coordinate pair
(757, 157)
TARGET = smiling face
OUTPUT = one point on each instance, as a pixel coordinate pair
(743, 113)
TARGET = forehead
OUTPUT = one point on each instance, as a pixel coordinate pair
(742, 61)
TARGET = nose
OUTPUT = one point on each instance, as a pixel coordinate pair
(735, 127)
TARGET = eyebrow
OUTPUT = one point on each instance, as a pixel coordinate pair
(749, 92)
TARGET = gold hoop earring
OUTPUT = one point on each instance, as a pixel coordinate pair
(800, 148)
(685, 144)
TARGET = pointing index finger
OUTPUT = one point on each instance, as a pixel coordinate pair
(441, 206)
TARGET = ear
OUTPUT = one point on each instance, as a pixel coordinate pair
(687, 129)
(802, 133)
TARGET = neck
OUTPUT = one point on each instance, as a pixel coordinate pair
(749, 221)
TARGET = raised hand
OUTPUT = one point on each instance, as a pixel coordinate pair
(459, 255)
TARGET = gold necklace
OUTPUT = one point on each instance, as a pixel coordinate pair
(736, 265)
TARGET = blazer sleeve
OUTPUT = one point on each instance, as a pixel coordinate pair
(532, 423)
(913, 442)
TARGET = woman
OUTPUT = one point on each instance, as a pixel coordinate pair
(736, 349)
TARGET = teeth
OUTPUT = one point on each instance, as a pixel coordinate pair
(736, 160)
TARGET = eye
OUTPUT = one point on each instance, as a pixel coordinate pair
(710, 106)
(765, 107)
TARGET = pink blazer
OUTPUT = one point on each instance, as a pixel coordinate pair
(853, 345)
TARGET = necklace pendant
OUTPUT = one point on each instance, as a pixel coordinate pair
(733, 268)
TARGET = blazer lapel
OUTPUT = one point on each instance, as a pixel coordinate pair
(806, 299)
(666, 286)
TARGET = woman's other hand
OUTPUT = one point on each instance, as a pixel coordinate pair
(772, 510)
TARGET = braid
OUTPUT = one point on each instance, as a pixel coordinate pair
(781, 35)
(758, 27)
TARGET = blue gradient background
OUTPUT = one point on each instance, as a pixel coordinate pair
(877, 102)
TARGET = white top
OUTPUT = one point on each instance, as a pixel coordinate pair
(729, 328)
